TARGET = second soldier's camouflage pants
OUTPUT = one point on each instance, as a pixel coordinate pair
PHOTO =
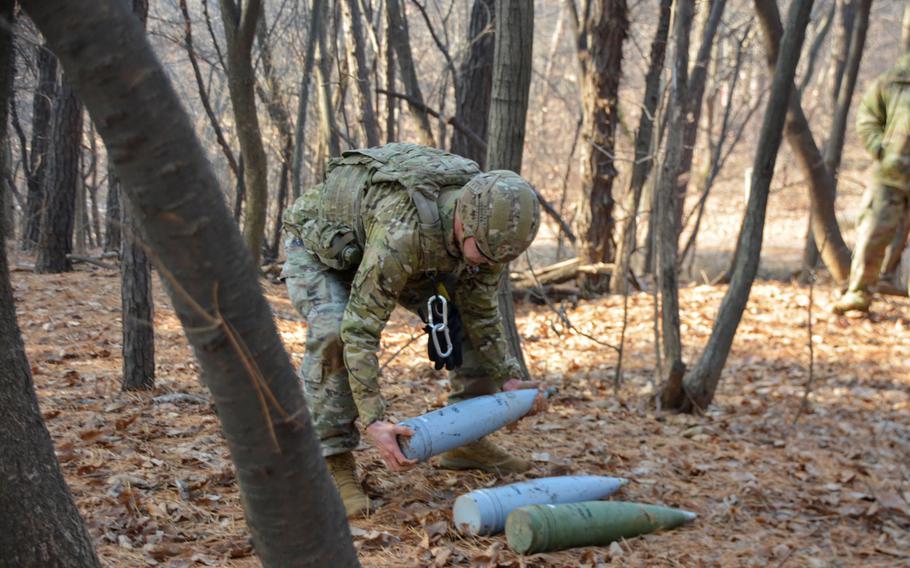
(884, 207)
(320, 294)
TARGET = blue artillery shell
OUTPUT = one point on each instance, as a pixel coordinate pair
(463, 422)
(484, 511)
(544, 528)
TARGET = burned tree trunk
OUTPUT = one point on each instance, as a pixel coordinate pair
(472, 101)
(294, 514)
(699, 387)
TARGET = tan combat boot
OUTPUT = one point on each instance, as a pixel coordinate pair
(853, 300)
(342, 468)
(486, 456)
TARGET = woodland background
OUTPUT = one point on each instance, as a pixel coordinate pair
(795, 455)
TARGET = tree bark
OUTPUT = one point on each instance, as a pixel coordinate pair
(294, 513)
(239, 31)
(42, 107)
(112, 229)
(400, 41)
(666, 230)
(701, 384)
(136, 299)
(834, 252)
(354, 21)
(641, 169)
(695, 93)
(599, 40)
(56, 240)
(7, 73)
(40, 525)
(328, 129)
(317, 16)
(472, 101)
(508, 113)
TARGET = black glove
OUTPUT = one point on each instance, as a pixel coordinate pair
(455, 336)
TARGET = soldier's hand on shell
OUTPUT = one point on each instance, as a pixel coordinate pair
(384, 435)
(540, 401)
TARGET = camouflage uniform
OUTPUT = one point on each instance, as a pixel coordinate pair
(356, 247)
(883, 123)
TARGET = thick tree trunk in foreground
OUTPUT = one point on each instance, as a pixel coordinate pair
(508, 113)
(834, 251)
(239, 31)
(400, 41)
(137, 303)
(40, 525)
(701, 384)
(42, 109)
(293, 511)
(599, 41)
(666, 230)
(56, 240)
(472, 101)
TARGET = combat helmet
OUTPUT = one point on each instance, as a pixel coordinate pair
(500, 210)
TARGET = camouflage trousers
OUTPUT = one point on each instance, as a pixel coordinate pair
(320, 294)
(883, 211)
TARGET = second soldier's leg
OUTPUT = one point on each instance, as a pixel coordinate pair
(320, 295)
(884, 207)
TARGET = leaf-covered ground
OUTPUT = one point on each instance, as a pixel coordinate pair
(151, 474)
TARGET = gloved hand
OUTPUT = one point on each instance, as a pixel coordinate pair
(456, 336)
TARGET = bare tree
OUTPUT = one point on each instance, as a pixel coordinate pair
(42, 106)
(641, 169)
(317, 17)
(239, 32)
(327, 128)
(294, 514)
(905, 30)
(354, 24)
(599, 36)
(472, 98)
(56, 240)
(666, 230)
(400, 41)
(700, 385)
(136, 299)
(40, 525)
(508, 114)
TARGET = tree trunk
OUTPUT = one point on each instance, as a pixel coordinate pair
(508, 113)
(239, 31)
(834, 252)
(294, 514)
(905, 30)
(390, 102)
(599, 40)
(354, 21)
(40, 525)
(317, 17)
(472, 101)
(644, 161)
(56, 240)
(112, 229)
(666, 230)
(400, 41)
(695, 93)
(136, 299)
(328, 130)
(42, 107)
(7, 74)
(701, 384)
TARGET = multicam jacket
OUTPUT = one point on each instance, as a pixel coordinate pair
(400, 254)
(883, 123)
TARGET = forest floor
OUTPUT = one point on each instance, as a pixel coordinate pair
(772, 485)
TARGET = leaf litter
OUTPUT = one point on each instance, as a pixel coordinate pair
(152, 476)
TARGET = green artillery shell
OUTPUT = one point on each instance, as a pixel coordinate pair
(544, 528)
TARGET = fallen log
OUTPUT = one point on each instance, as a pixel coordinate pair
(558, 273)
